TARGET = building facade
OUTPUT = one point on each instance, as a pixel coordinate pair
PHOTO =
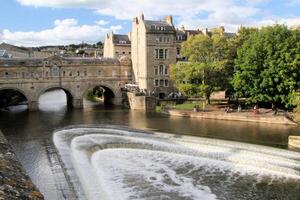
(116, 46)
(153, 46)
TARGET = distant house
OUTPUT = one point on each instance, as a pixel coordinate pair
(24, 52)
(14, 51)
(116, 46)
(3, 54)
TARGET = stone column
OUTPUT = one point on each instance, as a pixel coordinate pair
(77, 103)
(117, 101)
(33, 105)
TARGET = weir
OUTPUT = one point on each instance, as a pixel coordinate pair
(127, 164)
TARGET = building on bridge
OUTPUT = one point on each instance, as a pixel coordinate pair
(33, 77)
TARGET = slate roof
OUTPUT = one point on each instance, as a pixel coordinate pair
(117, 39)
(38, 62)
(158, 26)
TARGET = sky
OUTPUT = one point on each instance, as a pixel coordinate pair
(62, 22)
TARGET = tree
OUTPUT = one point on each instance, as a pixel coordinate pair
(267, 68)
(207, 69)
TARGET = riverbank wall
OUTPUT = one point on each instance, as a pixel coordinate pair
(245, 117)
(294, 142)
(14, 182)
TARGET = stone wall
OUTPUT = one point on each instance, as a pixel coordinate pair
(33, 77)
(14, 182)
(294, 142)
(141, 102)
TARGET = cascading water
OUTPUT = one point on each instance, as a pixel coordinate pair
(111, 163)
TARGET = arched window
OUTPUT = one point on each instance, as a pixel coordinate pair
(161, 69)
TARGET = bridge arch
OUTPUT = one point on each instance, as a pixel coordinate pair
(4, 98)
(112, 95)
(69, 94)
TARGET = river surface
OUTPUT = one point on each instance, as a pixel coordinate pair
(30, 133)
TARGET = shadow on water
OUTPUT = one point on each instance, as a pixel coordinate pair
(27, 131)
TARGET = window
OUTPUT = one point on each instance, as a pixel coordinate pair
(166, 71)
(156, 83)
(178, 52)
(122, 42)
(99, 72)
(166, 83)
(152, 27)
(161, 69)
(179, 37)
(160, 39)
(117, 53)
(123, 52)
(85, 73)
(156, 70)
(161, 54)
(161, 83)
(64, 73)
(166, 54)
(78, 73)
(129, 52)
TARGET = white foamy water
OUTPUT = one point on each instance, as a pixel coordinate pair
(107, 163)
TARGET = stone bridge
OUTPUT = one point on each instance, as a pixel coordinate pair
(33, 77)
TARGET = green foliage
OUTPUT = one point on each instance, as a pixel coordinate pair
(209, 68)
(267, 67)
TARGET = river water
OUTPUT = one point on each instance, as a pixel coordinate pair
(30, 133)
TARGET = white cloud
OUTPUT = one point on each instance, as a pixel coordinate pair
(65, 31)
(102, 22)
(192, 13)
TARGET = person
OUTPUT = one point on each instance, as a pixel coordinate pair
(255, 109)
(239, 108)
(195, 108)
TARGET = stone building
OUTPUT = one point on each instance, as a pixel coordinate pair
(116, 46)
(153, 46)
(14, 51)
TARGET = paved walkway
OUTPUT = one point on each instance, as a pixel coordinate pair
(263, 116)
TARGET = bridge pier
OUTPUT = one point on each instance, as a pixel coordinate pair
(33, 105)
(77, 103)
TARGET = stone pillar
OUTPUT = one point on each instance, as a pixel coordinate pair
(77, 103)
(33, 105)
(117, 101)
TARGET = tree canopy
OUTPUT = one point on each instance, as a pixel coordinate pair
(267, 67)
(208, 67)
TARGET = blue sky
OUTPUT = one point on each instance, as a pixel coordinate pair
(45, 22)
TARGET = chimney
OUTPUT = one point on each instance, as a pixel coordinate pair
(169, 20)
(142, 17)
(135, 20)
(182, 28)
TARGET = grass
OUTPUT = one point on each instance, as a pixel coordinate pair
(184, 106)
